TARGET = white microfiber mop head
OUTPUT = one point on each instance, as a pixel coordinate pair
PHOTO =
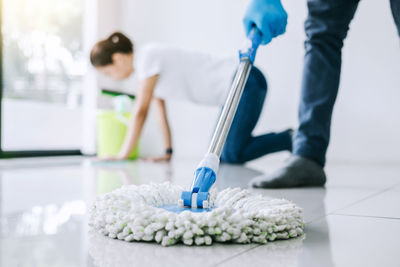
(130, 213)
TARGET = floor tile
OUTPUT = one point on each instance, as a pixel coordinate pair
(363, 175)
(109, 252)
(384, 204)
(334, 241)
(44, 206)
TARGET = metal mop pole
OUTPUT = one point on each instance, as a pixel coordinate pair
(205, 174)
(230, 107)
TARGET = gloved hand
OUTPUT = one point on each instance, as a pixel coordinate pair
(269, 17)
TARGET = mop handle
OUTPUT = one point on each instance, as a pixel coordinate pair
(247, 57)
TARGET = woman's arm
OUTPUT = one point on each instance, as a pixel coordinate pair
(139, 116)
(165, 129)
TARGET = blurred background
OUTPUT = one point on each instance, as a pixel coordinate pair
(50, 92)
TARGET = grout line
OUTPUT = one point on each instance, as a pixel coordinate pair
(236, 255)
(363, 199)
(367, 216)
(317, 218)
(334, 212)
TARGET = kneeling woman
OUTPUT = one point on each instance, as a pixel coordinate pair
(167, 73)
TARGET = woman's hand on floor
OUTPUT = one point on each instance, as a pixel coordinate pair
(166, 157)
(110, 158)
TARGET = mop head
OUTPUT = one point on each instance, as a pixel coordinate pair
(132, 213)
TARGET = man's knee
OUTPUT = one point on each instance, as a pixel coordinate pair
(259, 77)
(328, 21)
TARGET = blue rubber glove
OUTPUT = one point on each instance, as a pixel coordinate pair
(268, 16)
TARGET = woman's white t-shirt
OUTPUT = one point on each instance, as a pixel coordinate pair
(187, 75)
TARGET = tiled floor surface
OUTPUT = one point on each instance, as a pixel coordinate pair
(353, 221)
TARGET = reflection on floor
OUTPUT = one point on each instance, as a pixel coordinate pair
(354, 221)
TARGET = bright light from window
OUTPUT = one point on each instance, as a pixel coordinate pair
(42, 50)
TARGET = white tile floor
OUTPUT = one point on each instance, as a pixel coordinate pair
(354, 221)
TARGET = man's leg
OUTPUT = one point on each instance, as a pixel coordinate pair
(326, 27)
(395, 5)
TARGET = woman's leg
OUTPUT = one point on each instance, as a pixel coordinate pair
(395, 5)
(240, 145)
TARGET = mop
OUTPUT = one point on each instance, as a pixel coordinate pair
(106, 252)
(166, 214)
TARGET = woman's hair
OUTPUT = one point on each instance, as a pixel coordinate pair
(101, 54)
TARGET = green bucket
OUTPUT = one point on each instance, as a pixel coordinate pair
(111, 131)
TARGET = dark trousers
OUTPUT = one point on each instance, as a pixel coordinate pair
(326, 27)
(241, 145)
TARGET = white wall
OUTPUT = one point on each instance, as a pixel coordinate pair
(367, 114)
(366, 118)
(30, 125)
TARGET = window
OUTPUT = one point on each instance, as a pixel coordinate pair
(42, 74)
